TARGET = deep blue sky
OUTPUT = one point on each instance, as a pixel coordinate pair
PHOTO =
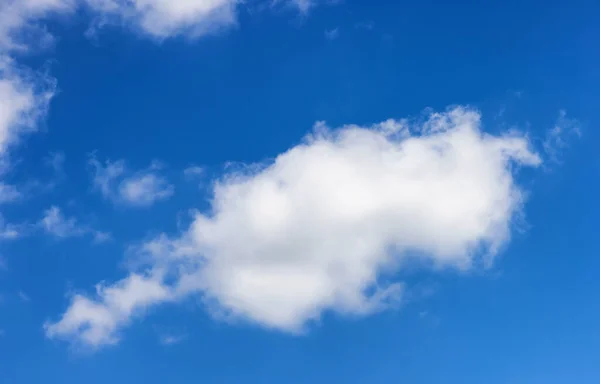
(254, 90)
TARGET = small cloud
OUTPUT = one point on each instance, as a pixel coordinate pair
(302, 5)
(56, 224)
(145, 189)
(23, 297)
(96, 322)
(136, 189)
(560, 136)
(171, 339)
(193, 171)
(365, 25)
(102, 237)
(9, 231)
(55, 161)
(9, 193)
(3, 264)
(332, 34)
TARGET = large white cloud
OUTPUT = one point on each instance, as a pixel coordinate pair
(326, 225)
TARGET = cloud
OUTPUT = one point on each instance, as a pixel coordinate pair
(144, 190)
(560, 136)
(137, 189)
(332, 34)
(326, 227)
(94, 322)
(17, 21)
(56, 161)
(56, 224)
(24, 297)
(9, 193)
(171, 339)
(9, 231)
(20, 20)
(193, 171)
(24, 101)
(165, 18)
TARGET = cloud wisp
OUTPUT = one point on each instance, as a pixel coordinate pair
(126, 188)
(56, 224)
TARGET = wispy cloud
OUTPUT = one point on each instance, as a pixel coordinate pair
(55, 161)
(560, 136)
(55, 223)
(193, 171)
(23, 296)
(136, 189)
(366, 25)
(332, 34)
(171, 339)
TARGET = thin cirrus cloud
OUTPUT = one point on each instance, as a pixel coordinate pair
(325, 227)
(134, 189)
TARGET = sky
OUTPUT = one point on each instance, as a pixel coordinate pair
(299, 191)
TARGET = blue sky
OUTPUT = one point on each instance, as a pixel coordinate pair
(299, 191)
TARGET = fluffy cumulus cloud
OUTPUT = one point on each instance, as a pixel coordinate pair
(326, 227)
(136, 189)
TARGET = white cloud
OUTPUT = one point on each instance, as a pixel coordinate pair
(56, 224)
(18, 17)
(24, 100)
(24, 297)
(560, 136)
(21, 20)
(332, 34)
(95, 322)
(101, 237)
(138, 189)
(326, 225)
(303, 5)
(145, 190)
(9, 193)
(193, 171)
(171, 339)
(9, 231)
(166, 18)
(56, 161)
